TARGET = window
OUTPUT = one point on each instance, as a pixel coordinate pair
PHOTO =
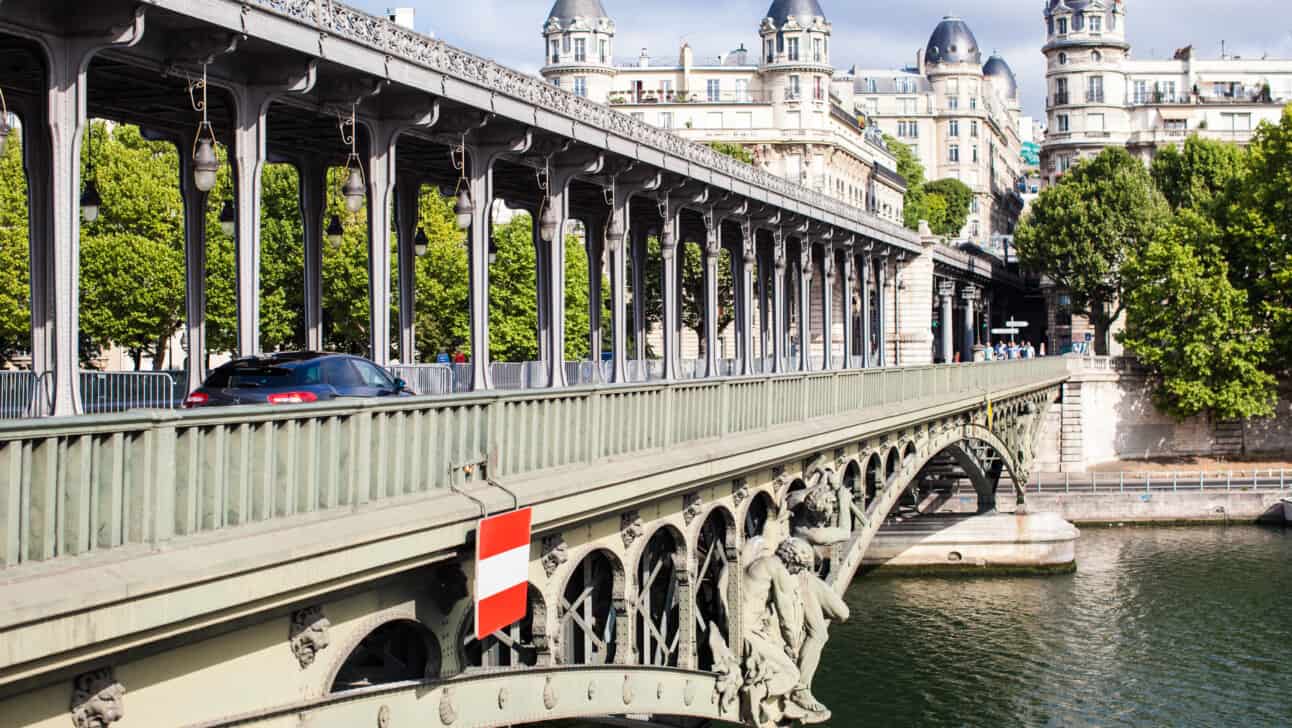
(556, 81)
(581, 86)
(666, 90)
(953, 153)
(554, 51)
(605, 51)
(1065, 162)
(1140, 94)
(1112, 21)
(742, 89)
(639, 115)
(1095, 90)
(818, 50)
(1177, 125)
(973, 128)
(666, 120)
(744, 120)
(1063, 58)
(792, 47)
(818, 91)
(1060, 91)
(1166, 92)
(1063, 26)
(1096, 57)
(795, 89)
(771, 51)
(713, 89)
(906, 106)
(953, 102)
(872, 86)
(580, 50)
(373, 376)
(341, 373)
(1063, 124)
(973, 102)
(1236, 122)
(953, 128)
(975, 152)
(1096, 23)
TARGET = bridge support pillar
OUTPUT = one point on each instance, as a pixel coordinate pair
(849, 313)
(194, 201)
(827, 306)
(54, 164)
(778, 317)
(639, 235)
(313, 204)
(595, 230)
(805, 304)
(381, 182)
(712, 248)
(946, 294)
(745, 262)
(560, 174)
(867, 333)
(407, 195)
(969, 294)
(881, 304)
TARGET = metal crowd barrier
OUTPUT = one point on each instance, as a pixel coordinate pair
(1148, 482)
(105, 392)
(23, 394)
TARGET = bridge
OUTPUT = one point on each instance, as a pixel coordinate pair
(313, 565)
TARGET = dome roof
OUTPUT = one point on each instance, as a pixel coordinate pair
(1050, 5)
(999, 71)
(952, 42)
(802, 10)
(566, 10)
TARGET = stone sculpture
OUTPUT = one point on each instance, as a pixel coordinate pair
(97, 699)
(787, 612)
(308, 634)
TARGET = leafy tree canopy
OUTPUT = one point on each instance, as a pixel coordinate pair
(735, 151)
(953, 213)
(1081, 232)
(1196, 174)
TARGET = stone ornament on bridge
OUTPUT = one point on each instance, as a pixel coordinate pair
(555, 553)
(97, 699)
(631, 528)
(787, 611)
(309, 634)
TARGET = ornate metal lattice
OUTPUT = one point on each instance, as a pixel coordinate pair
(588, 613)
(658, 604)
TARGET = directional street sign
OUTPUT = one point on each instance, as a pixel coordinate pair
(1005, 332)
(502, 571)
(1016, 324)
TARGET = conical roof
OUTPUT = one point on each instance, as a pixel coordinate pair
(802, 10)
(952, 42)
(997, 69)
(567, 10)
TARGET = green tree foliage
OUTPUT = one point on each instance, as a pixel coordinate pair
(442, 323)
(914, 203)
(1082, 231)
(1193, 176)
(15, 297)
(132, 293)
(1255, 216)
(953, 213)
(735, 151)
(1189, 325)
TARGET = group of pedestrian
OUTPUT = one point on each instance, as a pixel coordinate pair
(1015, 350)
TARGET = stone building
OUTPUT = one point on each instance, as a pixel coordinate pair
(960, 116)
(780, 102)
(1098, 96)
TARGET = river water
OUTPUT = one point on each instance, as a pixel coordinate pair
(1158, 627)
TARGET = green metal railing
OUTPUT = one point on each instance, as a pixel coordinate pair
(70, 486)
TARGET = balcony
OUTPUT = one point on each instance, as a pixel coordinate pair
(629, 97)
(1094, 97)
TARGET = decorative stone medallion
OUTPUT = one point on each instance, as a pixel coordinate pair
(692, 505)
(97, 699)
(555, 553)
(631, 527)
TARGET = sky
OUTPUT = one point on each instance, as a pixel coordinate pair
(867, 34)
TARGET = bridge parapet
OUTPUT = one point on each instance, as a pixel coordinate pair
(71, 486)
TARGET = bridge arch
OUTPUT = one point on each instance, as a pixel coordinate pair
(756, 515)
(662, 600)
(397, 649)
(716, 569)
(892, 463)
(591, 610)
(524, 643)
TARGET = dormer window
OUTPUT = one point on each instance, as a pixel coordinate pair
(771, 50)
(555, 51)
(818, 50)
(1096, 23)
(1078, 21)
(1063, 26)
(792, 48)
(580, 50)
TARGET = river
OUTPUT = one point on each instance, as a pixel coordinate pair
(1158, 627)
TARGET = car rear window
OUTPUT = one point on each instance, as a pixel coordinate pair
(252, 377)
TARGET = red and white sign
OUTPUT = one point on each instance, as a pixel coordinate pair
(502, 571)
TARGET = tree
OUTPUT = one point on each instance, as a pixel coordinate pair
(735, 151)
(913, 204)
(15, 286)
(132, 294)
(1256, 218)
(1192, 328)
(1082, 231)
(442, 317)
(954, 213)
(1193, 176)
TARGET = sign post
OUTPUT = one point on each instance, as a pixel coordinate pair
(502, 571)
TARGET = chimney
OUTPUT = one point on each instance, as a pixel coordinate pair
(403, 17)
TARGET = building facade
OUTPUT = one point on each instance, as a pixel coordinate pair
(778, 102)
(960, 117)
(1098, 96)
